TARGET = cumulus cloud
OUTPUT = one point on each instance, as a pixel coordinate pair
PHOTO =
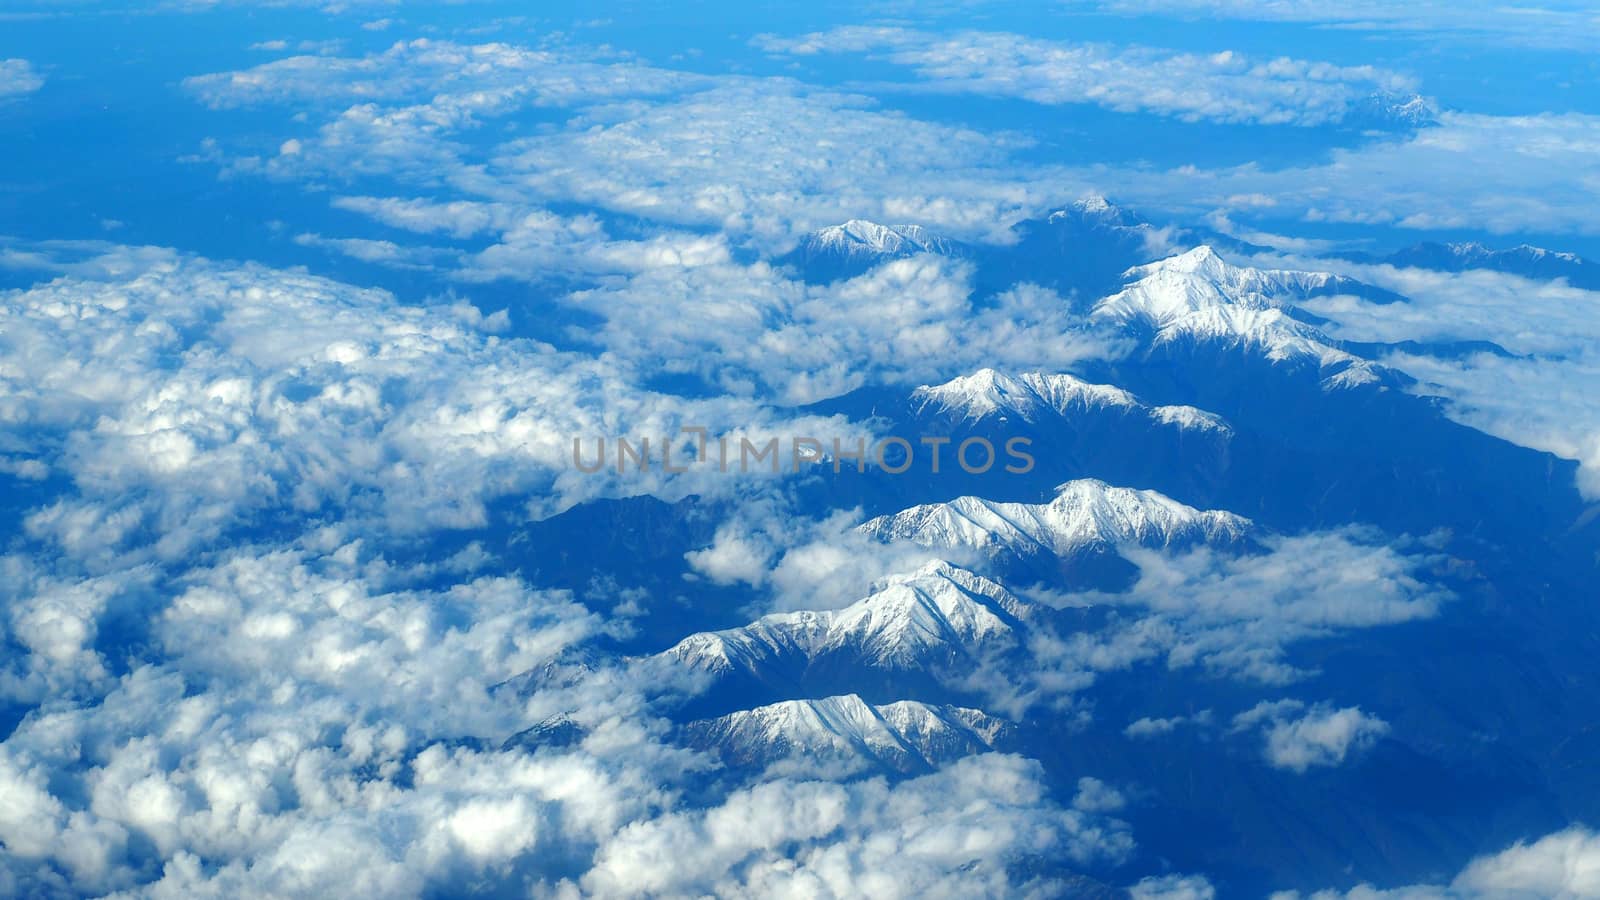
(191, 399)
(762, 158)
(949, 832)
(749, 329)
(1238, 614)
(320, 732)
(775, 158)
(1220, 87)
(284, 701)
(1298, 738)
(18, 77)
(1564, 866)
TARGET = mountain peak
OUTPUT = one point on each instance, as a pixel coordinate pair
(1032, 396)
(908, 621)
(1094, 209)
(1197, 296)
(988, 392)
(864, 237)
(903, 736)
(1084, 514)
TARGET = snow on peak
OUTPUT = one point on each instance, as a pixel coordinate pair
(1197, 296)
(1034, 396)
(1200, 280)
(1472, 251)
(1029, 395)
(859, 237)
(1097, 212)
(1084, 514)
(904, 736)
(909, 621)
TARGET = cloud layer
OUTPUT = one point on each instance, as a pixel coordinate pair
(1223, 87)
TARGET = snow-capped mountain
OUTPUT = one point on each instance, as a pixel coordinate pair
(1095, 209)
(1034, 396)
(859, 237)
(906, 736)
(922, 621)
(1197, 298)
(1085, 515)
(1389, 109)
(1525, 260)
(555, 731)
(849, 249)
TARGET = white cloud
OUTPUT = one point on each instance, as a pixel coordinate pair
(297, 721)
(1503, 174)
(1548, 397)
(455, 82)
(18, 77)
(1298, 739)
(1560, 866)
(192, 398)
(385, 253)
(1238, 614)
(1173, 887)
(768, 158)
(774, 158)
(458, 218)
(950, 832)
(909, 321)
(1221, 87)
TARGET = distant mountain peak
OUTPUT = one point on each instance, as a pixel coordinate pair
(863, 237)
(1032, 395)
(1476, 252)
(903, 736)
(1095, 209)
(908, 621)
(1197, 296)
(1084, 514)
(1525, 260)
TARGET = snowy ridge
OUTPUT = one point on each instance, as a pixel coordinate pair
(1085, 514)
(909, 622)
(861, 238)
(903, 736)
(1033, 396)
(1476, 252)
(1197, 297)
